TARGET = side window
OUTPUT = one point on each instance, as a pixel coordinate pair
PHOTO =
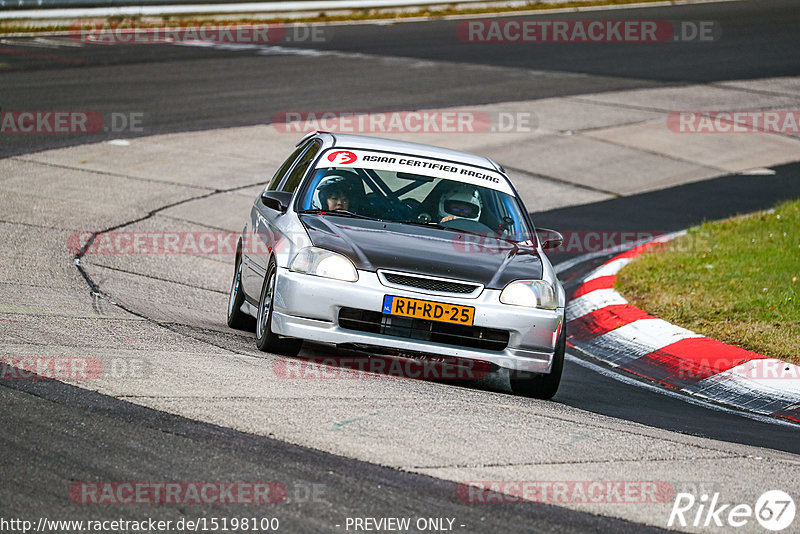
(273, 184)
(300, 169)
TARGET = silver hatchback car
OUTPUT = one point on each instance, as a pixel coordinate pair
(400, 248)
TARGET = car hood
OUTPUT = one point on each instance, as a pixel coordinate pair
(373, 245)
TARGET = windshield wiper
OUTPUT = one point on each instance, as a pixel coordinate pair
(340, 213)
(429, 223)
(440, 226)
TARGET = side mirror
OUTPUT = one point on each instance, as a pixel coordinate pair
(552, 238)
(277, 200)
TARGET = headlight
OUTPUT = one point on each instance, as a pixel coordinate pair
(530, 293)
(321, 262)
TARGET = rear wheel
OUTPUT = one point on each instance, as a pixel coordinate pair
(542, 386)
(236, 317)
(266, 340)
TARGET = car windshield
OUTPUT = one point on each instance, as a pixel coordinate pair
(415, 199)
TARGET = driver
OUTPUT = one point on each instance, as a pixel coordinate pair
(336, 193)
(462, 202)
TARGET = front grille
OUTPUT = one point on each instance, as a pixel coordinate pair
(430, 284)
(476, 337)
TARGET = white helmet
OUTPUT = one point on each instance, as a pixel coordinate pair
(462, 201)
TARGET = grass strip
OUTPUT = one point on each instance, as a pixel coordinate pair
(735, 280)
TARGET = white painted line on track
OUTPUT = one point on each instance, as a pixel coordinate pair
(609, 269)
(591, 302)
(41, 42)
(310, 7)
(655, 334)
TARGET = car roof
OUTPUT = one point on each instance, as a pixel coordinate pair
(405, 147)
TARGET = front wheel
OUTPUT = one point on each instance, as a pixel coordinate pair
(266, 340)
(540, 386)
(236, 317)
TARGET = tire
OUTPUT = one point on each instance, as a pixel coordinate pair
(266, 340)
(542, 386)
(236, 317)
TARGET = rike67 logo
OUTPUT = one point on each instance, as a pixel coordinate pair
(774, 510)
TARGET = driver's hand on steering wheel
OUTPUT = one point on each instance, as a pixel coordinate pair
(449, 218)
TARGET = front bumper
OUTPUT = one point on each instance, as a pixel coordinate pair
(308, 307)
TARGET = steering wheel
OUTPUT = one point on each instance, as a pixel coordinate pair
(467, 225)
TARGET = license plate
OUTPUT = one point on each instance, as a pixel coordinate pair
(426, 309)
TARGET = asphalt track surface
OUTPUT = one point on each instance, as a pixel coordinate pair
(188, 88)
(181, 88)
(79, 435)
